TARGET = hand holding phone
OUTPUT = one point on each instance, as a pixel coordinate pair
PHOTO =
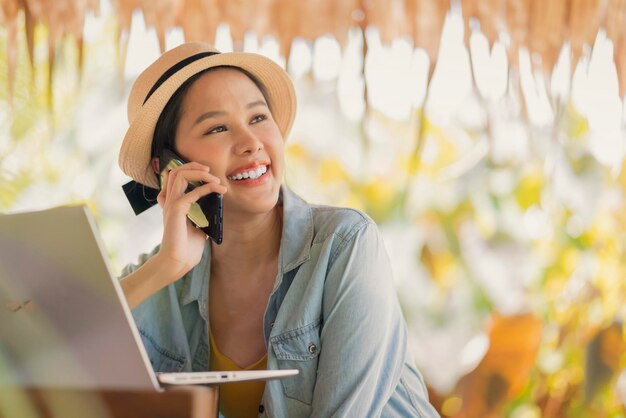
(207, 212)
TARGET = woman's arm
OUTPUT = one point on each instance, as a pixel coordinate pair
(364, 337)
(150, 277)
(182, 244)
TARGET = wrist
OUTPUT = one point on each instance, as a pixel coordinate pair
(169, 269)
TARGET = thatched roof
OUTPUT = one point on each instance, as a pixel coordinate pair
(538, 25)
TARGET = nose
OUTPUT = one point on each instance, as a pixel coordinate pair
(247, 142)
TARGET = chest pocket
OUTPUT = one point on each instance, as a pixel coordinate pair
(162, 359)
(299, 349)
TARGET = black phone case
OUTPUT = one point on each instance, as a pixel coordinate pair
(210, 205)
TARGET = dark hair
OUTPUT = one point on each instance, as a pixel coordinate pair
(165, 129)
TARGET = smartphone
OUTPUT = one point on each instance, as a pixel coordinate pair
(207, 212)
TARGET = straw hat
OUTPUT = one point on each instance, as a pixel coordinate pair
(157, 83)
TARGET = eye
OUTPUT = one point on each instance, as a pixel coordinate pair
(258, 118)
(216, 130)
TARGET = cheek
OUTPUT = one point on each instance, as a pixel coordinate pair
(275, 143)
(211, 155)
(276, 150)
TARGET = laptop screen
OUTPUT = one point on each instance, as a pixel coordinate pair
(63, 319)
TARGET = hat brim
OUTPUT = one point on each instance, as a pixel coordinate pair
(134, 157)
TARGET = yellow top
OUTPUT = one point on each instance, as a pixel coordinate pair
(239, 399)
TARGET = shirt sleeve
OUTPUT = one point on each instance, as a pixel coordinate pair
(364, 337)
(161, 326)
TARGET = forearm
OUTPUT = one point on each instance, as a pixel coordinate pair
(142, 283)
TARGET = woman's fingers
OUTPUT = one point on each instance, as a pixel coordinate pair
(183, 175)
(176, 182)
(182, 243)
(176, 185)
(195, 166)
(162, 193)
(203, 190)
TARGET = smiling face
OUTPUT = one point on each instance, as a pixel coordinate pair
(227, 125)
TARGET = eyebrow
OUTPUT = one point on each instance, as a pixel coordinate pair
(208, 115)
(214, 113)
(257, 103)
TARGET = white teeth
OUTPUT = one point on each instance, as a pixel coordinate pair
(252, 174)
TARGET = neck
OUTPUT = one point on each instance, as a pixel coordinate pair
(249, 244)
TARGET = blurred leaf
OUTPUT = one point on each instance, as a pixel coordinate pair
(296, 152)
(577, 125)
(504, 371)
(440, 265)
(528, 192)
(381, 199)
(12, 186)
(332, 171)
(603, 359)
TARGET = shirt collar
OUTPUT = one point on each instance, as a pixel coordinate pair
(195, 287)
(295, 247)
(295, 243)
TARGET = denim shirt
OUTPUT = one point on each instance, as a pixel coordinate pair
(333, 314)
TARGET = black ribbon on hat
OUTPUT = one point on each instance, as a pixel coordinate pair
(175, 68)
(140, 196)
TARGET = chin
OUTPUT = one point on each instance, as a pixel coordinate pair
(252, 204)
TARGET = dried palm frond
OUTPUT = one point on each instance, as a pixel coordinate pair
(9, 10)
(346, 15)
(491, 16)
(124, 10)
(426, 18)
(469, 8)
(161, 14)
(389, 17)
(33, 15)
(615, 19)
(583, 24)
(547, 32)
(620, 63)
(615, 26)
(541, 26)
(199, 18)
(517, 20)
(286, 19)
(241, 16)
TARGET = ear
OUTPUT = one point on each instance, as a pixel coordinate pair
(155, 164)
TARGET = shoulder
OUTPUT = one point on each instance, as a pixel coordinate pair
(312, 232)
(338, 222)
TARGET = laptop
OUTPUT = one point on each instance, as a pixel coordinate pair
(64, 320)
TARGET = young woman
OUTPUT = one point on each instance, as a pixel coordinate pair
(292, 285)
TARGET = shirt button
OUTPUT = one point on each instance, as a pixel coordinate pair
(312, 348)
(261, 409)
